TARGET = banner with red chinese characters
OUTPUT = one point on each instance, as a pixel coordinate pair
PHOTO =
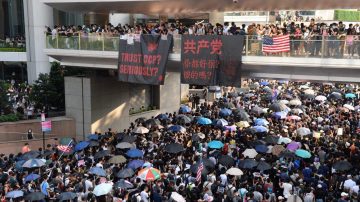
(211, 60)
(143, 60)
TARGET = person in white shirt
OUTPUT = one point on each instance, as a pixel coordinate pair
(349, 183)
(287, 188)
(145, 195)
(223, 178)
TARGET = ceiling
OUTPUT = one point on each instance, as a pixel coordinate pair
(188, 6)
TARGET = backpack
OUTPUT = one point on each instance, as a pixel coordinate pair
(229, 190)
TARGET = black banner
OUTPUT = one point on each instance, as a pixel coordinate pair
(144, 61)
(211, 60)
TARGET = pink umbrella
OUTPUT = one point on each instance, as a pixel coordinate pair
(230, 128)
(294, 117)
(293, 146)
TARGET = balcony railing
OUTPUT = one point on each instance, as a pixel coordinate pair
(323, 48)
(12, 46)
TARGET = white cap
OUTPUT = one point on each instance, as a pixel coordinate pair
(344, 194)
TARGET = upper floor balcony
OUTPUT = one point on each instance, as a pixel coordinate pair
(12, 50)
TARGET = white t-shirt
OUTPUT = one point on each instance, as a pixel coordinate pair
(223, 178)
(144, 196)
(287, 188)
(88, 184)
(348, 184)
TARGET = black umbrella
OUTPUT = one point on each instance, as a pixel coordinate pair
(101, 154)
(335, 96)
(267, 97)
(277, 107)
(226, 160)
(48, 152)
(342, 165)
(263, 166)
(241, 114)
(34, 196)
(271, 139)
(248, 163)
(66, 196)
(195, 138)
(308, 96)
(124, 184)
(30, 155)
(152, 122)
(125, 173)
(208, 165)
(119, 136)
(128, 138)
(174, 148)
(93, 144)
(257, 110)
(287, 154)
(183, 119)
(140, 120)
(194, 169)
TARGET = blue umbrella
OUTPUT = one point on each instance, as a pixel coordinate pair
(260, 129)
(261, 122)
(97, 171)
(134, 153)
(185, 109)
(203, 121)
(225, 112)
(81, 145)
(177, 128)
(33, 163)
(279, 115)
(18, 165)
(93, 137)
(302, 153)
(215, 144)
(261, 148)
(221, 122)
(350, 95)
(264, 83)
(162, 116)
(135, 164)
(31, 177)
(15, 194)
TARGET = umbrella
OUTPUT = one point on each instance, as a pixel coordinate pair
(183, 119)
(303, 131)
(117, 159)
(48, 152)
(174, 148)
(285, 102)
(33, 163)
(293, 146)
(228, 105)
(177, 128)
(248, 95)
(277, 107)
(140, 120)
(177, 197)
(320, 98)
(342, 165)
(347, 106)
(263, 166)
(203, 121)
(242, 124)
(225, 112)
(309, 92)
(32, 177)
(149, 174)
(264, 83)
(129, 138)
(335, 96)
(257, 110)
(226, 160)
(277, 149)
(135, 164)
(285, 140)
(261, 148)
(34, 196)
(81, 145)
(221, 122)
(294, 117)
(302, 153)
(124, 145)
(296, 111)
(251, 153)
(65, 141)
(97, 171)
(234, 171)
(261, 122)
(102, 189)
(162, 116)
(134, 153)
(93, 137)
(141, 130)
(66, 196)
(248, 163)
(184, 109)
(295, 102)
(194, 169)
(271, 139)
(197, 137)
(304, 87)
(124, 184)
(350, 95)
(286, 154)
(101, 154)
(93, 144)
(215, 144)
(260, 129)
(125, 173)
(241, 114)
(308, 96)
(15, 194)
(152, 122)
(230, 128)
(30, 155)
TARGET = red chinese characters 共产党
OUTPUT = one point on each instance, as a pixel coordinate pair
(190, 46)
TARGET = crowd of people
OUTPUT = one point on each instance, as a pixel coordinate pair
(267, 142)
(307, 39)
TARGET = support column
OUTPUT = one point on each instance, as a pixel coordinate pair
(216, 17)
(35, 22)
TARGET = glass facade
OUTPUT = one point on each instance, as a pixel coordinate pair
(16, 71)
(11, 19)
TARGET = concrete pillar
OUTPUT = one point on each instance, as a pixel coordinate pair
(216, 17)
(119, 18)
(35, 22)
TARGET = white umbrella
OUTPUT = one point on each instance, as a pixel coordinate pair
(234, 171)
(296, 111)
(295, 102)
(285, 102)
(124, 145)
(251, 153)
(309, 91)
(347, 106)
(304, 87)
(102, 189)
(141, 130)
(303, 131)
(285, 140)
(320, 98)
(177, 197)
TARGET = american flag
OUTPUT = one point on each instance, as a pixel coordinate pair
(276, 44)
(198, 174)
(64, 148)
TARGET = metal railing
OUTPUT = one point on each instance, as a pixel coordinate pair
(322, 48)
